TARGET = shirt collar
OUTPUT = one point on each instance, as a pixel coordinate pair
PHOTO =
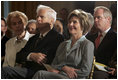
(80, 39)
(27, 35)
(44, 34)
(15, 39)
(105, 32)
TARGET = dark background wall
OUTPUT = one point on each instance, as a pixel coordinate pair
(29, 7)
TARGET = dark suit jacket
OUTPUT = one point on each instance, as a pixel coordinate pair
(107, 47)
(47, 45)
(3, 42)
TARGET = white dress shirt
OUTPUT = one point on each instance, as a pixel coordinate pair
(104, 34)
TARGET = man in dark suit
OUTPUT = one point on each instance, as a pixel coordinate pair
(105, 40)
(41, 48)
(4, 38)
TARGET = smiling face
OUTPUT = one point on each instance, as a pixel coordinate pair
(74, 26)
(17, 25)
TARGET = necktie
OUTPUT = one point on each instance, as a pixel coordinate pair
(97, 41)
(38, 40)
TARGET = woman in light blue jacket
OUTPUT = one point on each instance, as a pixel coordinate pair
(74, 57)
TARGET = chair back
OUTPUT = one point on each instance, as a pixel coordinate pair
(92, 69)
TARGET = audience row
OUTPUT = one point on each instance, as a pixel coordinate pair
(45, 49)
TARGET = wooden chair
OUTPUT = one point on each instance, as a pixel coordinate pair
(92, 69)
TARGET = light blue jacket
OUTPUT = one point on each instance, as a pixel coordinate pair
(80, 56)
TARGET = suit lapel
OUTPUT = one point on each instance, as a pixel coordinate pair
(44, 41)
(105, 39)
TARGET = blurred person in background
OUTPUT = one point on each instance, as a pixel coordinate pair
(59, 26)
(63, 14)
(4, 38)
(31, 26)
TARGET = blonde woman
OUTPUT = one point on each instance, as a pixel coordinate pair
(16, 23)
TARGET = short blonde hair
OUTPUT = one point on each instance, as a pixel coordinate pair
(107, 12)
(83, 19)
(18, 14)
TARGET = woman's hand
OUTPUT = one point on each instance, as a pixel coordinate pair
(70, 71)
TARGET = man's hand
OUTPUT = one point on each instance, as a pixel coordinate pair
(54, 70)
(38, 57)
(70, 71)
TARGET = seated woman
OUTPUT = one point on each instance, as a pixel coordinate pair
(74, 57)
(16, 23)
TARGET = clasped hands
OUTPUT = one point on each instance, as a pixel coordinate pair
(71, 72)
(38, 57)
(68, 70)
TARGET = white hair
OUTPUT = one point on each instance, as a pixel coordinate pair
(51, 12)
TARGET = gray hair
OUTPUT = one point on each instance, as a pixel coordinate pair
(90, 20)
(107, 12)
(30, 21)
(51, 12)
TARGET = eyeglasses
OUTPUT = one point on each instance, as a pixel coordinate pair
(99, 17)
